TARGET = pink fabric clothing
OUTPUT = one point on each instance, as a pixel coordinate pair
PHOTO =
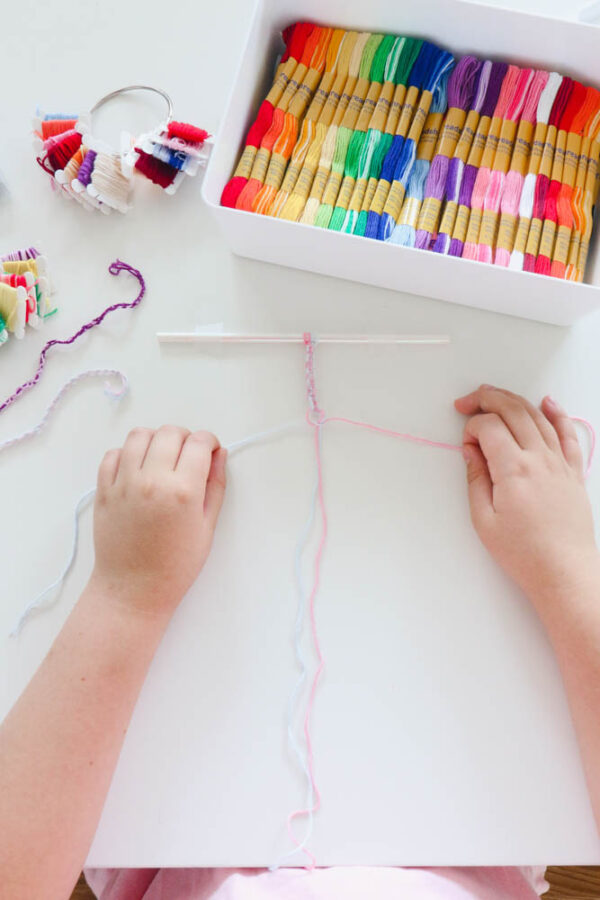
(355, 883)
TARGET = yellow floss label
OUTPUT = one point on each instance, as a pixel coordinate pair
(358, 194)
(345, 192)
(319, 182)
(244, 167)
(369, 194)
(429, 136)
(395, 199)
(332, 188)
(452, 131)
(563, 242)
(508, 223)
(547, 241)
(462, 223)
(521, 236)
(487, 231)
(305, 182)
(261, 164)
(276, 171)
(533, 240)
(449, 217)
(466, 138)
(430, 213)
(380, 196)
(474, 226)
(574, 249)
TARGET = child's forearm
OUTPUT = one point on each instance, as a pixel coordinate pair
(60, 743)
(570, 612)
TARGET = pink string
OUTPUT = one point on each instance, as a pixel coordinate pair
(316, 419)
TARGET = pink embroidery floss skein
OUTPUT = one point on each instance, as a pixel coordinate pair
(513, 184)
(542, 182)
(526, 200)
(500, 166)
(482, 179)
(462, 86)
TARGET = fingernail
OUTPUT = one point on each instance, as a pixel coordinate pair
(550, 403)
(489, 387)
(467, 455)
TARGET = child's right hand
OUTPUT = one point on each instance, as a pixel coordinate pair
(526, 490)
(157, 505)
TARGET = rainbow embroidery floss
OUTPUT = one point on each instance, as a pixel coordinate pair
(404, 234)
(345, 133)
(24, 292)
(283, 147)
(291, 207)
(440, 63)
(295, 39)
(579, 206)
(329, 142)
(457, 163)
(542, 182)
(282, 126)
(389, 137)
(89, 171)
(385, 52)
(318, 111)
(462, 86)
(417, 79)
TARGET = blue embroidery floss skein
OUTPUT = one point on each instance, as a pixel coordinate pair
(405, 231)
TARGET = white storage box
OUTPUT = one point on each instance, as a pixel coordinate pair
(461, 27)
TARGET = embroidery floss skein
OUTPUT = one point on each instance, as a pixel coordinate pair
(441, 62)
(404, 234)
(525, 100)
(542, 182)
(422, 74)
(382, 142)
(589, 201)
(329, 143)
(374, 134)
(462, 86)
(321, 109)
(293, 206)
(483, 176)
(295, 39)
(580, 210)
(457, 163)
(526, 200)
(385, 50)
(283, 147)
(468, 177)
(582, 120)
(283, 126)
(549, 225)
(346, 131)
(115, 268)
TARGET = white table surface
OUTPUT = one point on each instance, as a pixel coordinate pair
(441, 730)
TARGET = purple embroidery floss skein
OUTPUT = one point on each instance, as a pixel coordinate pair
(469, 175)
(456, 166)
(461, 90)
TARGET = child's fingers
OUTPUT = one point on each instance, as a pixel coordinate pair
(195, 458)
(215, 487)
(107, 472)
(165, 448)
(566, 433)
(133, 452)
(498, 445)
(511, 409)
(480, 483)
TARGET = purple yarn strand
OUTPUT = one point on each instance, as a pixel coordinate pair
(85, 169)
(115, 268)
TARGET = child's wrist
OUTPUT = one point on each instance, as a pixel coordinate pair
(131, 602)
(571, 587)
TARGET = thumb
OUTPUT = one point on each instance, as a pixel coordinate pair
(479, 482)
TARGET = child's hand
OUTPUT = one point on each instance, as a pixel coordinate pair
(157, 505)
(526, 490)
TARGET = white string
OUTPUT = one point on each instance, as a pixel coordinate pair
(90, 373)
(39, 603)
